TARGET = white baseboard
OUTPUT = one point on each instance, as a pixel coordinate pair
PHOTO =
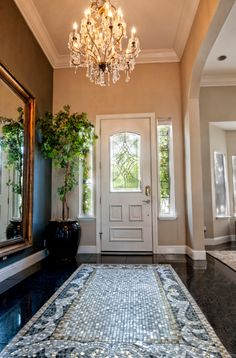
(219, 240)
(196, 254)
(87, 250)
(164, 249)
(182, 249)
(21, 265)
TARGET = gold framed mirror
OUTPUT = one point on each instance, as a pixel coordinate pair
(17, 126)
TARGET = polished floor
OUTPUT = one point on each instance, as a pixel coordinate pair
(212, 284)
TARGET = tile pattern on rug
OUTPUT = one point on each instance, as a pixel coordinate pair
(227, 257)
(186, 334)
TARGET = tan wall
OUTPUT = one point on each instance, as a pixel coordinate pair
(217, 104)
(23, 57)
(9, 102)
(153, 88)
(209, 19)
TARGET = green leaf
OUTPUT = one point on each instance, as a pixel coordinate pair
(66, 138)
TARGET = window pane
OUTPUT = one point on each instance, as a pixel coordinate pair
(234, 181)
(166, 174)
(0, 169)
(220, 186)
(125, 162)
(86, 186)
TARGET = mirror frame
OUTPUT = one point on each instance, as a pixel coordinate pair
(29, 137)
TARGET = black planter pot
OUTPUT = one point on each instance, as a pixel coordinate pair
(63, 238)
(14, 229)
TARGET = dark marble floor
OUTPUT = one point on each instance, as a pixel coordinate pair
(212, 284)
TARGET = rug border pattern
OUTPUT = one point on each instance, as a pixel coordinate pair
(191, 300)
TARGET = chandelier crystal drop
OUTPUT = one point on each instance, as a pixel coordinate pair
(98, 44)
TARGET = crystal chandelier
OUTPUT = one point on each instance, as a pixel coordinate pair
(98, 44)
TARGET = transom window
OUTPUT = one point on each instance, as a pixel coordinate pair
(125, 162)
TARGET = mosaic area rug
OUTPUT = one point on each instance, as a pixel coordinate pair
(227, 257)
(114, 311)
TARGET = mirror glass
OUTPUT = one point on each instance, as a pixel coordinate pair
(11, 164)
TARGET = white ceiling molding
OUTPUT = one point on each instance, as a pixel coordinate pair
(184, 26)
(36, 25)
(145, 56)
(216, 80)
(157, 56)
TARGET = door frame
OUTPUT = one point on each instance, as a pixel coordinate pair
(153, 161)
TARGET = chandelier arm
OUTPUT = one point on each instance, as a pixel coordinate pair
(131, 53)
(120, 36)
(93, 43)
(83, 53)
(108, 44)
(90, 54)
(117, 41)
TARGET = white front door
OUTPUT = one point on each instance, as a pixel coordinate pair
(126, 195)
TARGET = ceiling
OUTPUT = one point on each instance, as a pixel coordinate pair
(163, 26)
(222, 73)
(226, 126)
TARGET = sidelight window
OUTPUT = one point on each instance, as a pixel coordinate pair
(166, 170)
(221, 188)
(87, 186)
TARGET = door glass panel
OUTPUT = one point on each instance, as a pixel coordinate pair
(125, 162)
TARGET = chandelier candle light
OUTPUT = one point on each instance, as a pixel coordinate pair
(98, 44)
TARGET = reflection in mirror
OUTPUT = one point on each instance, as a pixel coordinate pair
(11, 164)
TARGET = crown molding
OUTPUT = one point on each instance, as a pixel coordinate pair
(36, 24)
(157, 56)
(145, 56)
(39, 30)
(184, 26)
(216, 80)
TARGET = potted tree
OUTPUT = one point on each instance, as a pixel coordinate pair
(65, 138)
(12, 142)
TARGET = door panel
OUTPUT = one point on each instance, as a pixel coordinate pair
(126, 205)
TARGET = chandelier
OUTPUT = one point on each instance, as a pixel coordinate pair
(98, 44)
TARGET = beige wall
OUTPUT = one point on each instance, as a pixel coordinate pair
(217, 104)
(209, 19)
(23, 57)
(9, 102)
(153, 88)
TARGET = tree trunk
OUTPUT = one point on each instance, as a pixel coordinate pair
(65, 207)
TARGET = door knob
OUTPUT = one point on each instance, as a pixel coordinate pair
(147, 201)
(147, 190)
